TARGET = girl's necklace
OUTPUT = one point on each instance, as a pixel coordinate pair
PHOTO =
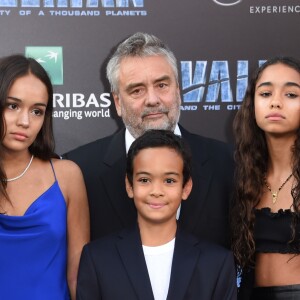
(22, 174)
(275, 193)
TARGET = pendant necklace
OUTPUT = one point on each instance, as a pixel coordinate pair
(22, 174)
(275, 193)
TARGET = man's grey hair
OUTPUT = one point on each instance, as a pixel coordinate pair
(140, 45)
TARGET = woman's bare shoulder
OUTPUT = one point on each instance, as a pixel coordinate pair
(66, 167)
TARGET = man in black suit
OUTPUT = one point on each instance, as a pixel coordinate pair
(144, 82)
(155, 258)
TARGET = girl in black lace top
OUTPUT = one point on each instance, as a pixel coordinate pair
(265, 214)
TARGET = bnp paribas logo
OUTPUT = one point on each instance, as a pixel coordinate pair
(51, 58)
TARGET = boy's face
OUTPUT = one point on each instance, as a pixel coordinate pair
(158, 185)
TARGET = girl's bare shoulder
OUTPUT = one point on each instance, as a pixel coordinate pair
(66, 168)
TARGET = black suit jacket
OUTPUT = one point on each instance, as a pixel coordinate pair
(114, 268)
(204, 214)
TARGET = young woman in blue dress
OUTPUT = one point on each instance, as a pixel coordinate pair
(44, 219)
(266, 209)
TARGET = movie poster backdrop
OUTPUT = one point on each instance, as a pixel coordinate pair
(218, 43)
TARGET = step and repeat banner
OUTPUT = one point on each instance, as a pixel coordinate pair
(218, 43)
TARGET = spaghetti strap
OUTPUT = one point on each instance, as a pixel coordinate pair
(53, 169)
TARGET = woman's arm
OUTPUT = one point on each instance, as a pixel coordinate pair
(78, 225)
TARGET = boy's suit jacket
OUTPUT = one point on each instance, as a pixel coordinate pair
(114, 268)
(205, 213)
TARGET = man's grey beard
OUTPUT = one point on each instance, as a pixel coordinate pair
(138, 131)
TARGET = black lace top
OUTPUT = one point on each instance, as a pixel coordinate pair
(272, 231)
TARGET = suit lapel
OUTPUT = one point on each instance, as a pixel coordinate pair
(202, 174)
(186, 254)
(114, 179)
(131, 253)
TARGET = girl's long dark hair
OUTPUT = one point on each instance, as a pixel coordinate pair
(11, 68)
(251, 157)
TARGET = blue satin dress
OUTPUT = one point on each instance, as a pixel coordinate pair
(33, 250)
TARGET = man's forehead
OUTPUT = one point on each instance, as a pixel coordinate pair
(133, 61)
(137, 69)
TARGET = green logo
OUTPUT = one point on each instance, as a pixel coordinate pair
(51, 58)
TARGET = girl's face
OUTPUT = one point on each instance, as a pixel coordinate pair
(277, 100)
(24, 112)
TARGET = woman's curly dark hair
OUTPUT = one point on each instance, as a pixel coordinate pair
(251, 157)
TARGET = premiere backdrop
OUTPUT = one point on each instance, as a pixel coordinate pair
(218, 43)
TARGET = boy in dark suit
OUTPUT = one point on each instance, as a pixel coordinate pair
(155, 259)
